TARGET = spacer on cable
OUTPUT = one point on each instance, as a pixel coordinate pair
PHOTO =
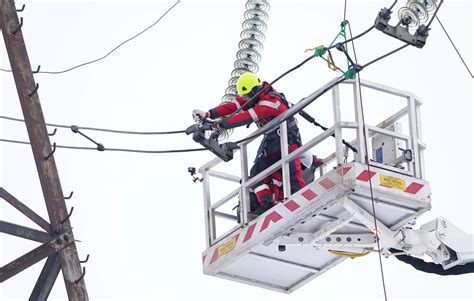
(100, 147)
(340, 47)
(74, 128)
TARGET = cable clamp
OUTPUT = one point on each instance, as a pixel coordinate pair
(353, 70)
(319, 51)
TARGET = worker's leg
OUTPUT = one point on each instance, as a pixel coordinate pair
(296, 174)
(262, 188)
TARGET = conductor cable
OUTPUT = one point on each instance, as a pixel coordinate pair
(125, 150)
(100, 129)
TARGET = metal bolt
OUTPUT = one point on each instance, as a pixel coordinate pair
(443, 223)
(59, 241)
(328, 239)
(348, 239)
(66, 237)
(338, 239)
(300, 239)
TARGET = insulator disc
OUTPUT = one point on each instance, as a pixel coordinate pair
(430, 5)
(239, 71)
(251, 43)
(229, 97)
(231, 90)
(249, 54)
(256, 13)
(263, 5)
(252, 34)
(408, 17)
(254, 24)
(233, 81)
(246, 64)
(223, 134)
(250, 46)
(420, 11)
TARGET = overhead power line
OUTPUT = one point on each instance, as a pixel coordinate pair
(99, 129)
(382, 275)
(187, 150)
(454, 46)
(110, 52)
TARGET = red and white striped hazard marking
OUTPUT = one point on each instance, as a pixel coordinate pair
(365, 176)
(273, 217)
(291, 205)
(344, 170)
(258, 226)
(327, 183)
(413, 188)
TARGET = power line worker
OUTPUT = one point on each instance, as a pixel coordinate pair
(267, 106)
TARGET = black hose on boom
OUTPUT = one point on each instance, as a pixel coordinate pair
(433, 268)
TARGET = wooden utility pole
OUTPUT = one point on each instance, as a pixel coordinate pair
(61, 250)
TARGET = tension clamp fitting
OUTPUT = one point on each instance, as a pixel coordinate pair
(353, 70)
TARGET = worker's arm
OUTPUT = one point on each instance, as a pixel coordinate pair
(262, 110)
(227, 108)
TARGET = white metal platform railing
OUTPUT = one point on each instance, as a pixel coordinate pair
(412, 140)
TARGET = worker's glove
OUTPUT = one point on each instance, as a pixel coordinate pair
(199, 115)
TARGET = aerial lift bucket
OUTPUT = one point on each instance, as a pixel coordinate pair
(330, 219)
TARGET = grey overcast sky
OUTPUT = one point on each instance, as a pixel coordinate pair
(139, 216)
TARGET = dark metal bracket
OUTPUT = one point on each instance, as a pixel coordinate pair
(51, 153)
(19, 26)
(82, 275)
(34, 90)
(68, 216)
(224, 151)
(85, 260)
(53, 133)
(400, 31)
(70, 196)
(21, 9)
(192, 172)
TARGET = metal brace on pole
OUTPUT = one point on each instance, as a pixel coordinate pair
(41, 147)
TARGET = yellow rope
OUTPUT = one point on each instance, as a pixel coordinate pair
(331, 63)
(346, 254)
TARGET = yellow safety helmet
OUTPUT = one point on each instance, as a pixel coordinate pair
(247, 82)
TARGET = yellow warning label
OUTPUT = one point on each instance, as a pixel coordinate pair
(227, 247)
(393, 182)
